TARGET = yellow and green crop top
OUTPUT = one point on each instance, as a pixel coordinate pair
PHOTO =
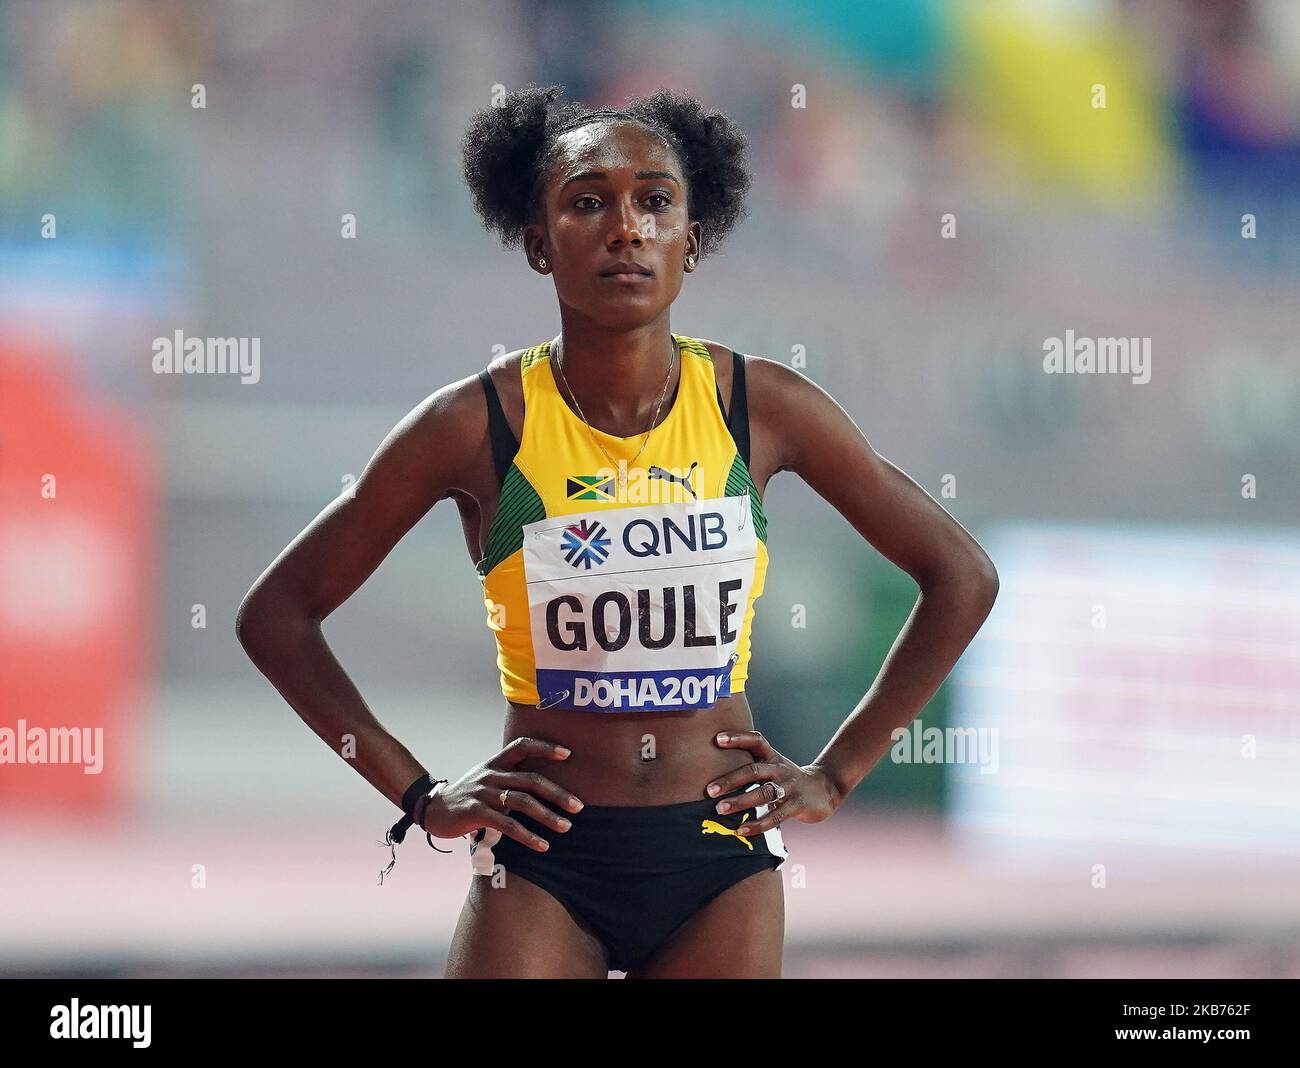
(629, 590)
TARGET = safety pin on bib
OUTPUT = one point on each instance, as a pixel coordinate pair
(725, 670)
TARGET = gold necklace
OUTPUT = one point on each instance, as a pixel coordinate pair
(672, 352)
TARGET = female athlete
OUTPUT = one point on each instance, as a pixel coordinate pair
(610, 483)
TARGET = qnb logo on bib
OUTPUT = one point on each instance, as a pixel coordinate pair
(585, 544)
(653, 623)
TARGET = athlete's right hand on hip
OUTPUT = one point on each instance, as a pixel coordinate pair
(487, 794)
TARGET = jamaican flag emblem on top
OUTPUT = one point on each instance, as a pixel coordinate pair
(590, 487)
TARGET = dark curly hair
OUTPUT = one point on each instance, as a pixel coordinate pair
(508, 149)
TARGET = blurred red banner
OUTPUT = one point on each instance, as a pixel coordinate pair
(78, 515)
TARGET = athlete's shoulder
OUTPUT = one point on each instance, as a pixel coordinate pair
(720, 353)
(723, 358)
(763, 377)
(460, 406)
(781, 402)
(508, 363)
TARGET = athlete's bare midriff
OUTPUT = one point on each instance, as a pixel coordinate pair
(634, 758)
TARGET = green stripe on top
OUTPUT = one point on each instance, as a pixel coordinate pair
(691, 347)
(688, 345)
(519, 504)
(738, 483)
(537, 352)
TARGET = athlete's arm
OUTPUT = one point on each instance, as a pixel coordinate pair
(430, 453)
(810, 434)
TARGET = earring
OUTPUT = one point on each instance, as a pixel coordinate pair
(690, 262)
(541, 262)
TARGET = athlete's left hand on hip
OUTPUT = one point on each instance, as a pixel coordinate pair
(810, 796)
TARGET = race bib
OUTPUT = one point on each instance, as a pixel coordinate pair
(640, 608)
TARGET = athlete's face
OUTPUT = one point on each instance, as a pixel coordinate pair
(616, 193)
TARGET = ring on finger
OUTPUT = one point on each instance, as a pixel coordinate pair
(505, 803)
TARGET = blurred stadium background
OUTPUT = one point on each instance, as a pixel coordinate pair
(1143, 661)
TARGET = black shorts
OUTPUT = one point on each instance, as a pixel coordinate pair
(634, 874)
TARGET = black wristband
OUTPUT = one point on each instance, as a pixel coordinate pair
(421, 810)
(414, 792)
